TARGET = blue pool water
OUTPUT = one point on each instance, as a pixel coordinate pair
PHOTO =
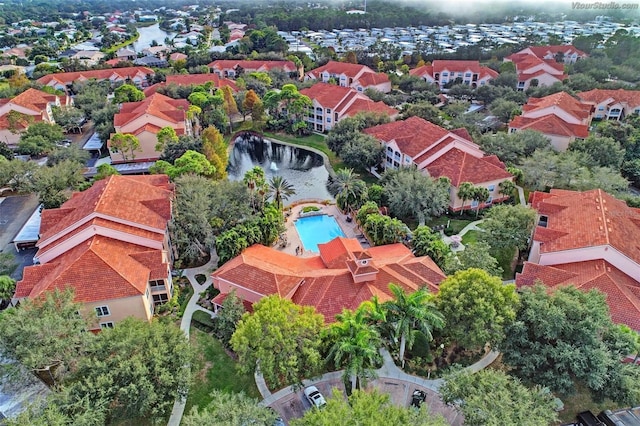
(314, 230)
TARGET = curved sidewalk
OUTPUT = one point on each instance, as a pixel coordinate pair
(178, 407)
(389, 370)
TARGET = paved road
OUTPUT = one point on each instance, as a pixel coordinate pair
(14, 213)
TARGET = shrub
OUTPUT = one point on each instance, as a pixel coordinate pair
(203, 321)
(308, 209)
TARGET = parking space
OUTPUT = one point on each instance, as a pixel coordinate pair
(14, 213)
(294, 405)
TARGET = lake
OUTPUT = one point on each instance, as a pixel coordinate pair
(148, 34)
(302, 168)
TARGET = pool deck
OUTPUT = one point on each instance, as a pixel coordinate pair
(350, 229)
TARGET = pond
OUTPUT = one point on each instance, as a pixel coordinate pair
(148, 34)
(302, 168)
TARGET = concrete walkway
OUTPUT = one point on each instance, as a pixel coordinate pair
(521, 195)
(473, 226)
(389, 370)
(185, 324)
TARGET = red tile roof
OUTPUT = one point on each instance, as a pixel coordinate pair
(337, 68)
(367, 105)
(542, 51)
(161, 106)
(525, 62)
(248, 66)
(412, 135)
(454, 66)
(629, 97)
(33, 99)
(328, 95)
(550, 125)
(325, 281)
(143, 201)
(588, 219)
(67, 78)
(460, 166)
(100, 268)
(373, 79)
(622, 291)
(562, 100)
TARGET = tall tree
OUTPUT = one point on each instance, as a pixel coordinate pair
(127, 93)
(281, 338)
(46, 334)
(230, 106)
(508, 226)
(225, 323)
(55, 184)
(137, 369)
(215, 149)
(412, 313)
(280, 190)
(7, 288)
(412, 194)
(480, 195)
(166, 135)
(257, 185)
(250, 100)
(465, 192)
(492, 397)
(476, 307)
(126, 145)
(355, 346)
(507, 188)
(367, 408)
(566, 336)
(348, 188)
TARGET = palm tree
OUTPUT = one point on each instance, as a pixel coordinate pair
(280, 190)
(410, 314)
(465, 192)
(506, 188)
(480, 195)
(355, 348)
(254, 179)
(348, 188)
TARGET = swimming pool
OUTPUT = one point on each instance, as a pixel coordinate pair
(314, 230)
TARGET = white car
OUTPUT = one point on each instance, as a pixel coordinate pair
(314, 397)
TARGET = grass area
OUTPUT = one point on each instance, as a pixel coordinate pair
(214, 369)
(455, 224)
(127, 42)
(183, 299)
(313, 141)
(470, 237)
(581, 401)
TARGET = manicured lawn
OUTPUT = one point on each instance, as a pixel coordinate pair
(470, 237)
(505, 258)
(214, 369)
(456, 224)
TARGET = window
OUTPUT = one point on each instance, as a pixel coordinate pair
(328, 119)
(491, 188)
(159, 299)
(389, 149)
(467, 75)
(102, 311)
(601, 108)
(445, 74)
(489, 200)
(108, 324)
(474, 203)
(328, 110)
(156, 283)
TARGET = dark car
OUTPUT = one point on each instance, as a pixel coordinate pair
(418, 398)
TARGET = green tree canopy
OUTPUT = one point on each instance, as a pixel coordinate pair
(476, 307)
(127, 93)
(54, 185)
(230, 409)
(46, 334)
(410, 313)
(564, 336)
(473, 256)
(493, 398)
(191, 162)
(126, 144)
(367, 409)
(426, 242)
(412, 194)
(349, 190)
(282, 339)
(508, 226)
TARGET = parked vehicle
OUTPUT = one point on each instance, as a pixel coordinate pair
(314, 397)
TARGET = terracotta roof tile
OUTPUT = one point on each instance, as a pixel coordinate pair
(367, 105)
(197, 79)
(629, 97)
(328, 95)
(325, 281)
(550, 124)
(412, 135)
(161, 106)
(622, 291)
(67, 78)
(338, 68)
(460, 166)
(248, 66)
